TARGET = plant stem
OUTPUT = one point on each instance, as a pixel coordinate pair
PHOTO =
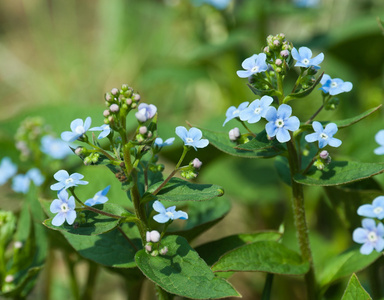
(315, 114)
(127, 238)
(91, 280)
(267, 287)
(72, 277)
(300, 220)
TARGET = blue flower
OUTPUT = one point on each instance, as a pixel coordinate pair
(105, 130)
(304, 59)
(234, 112)
(306, 3)
(256, 110)
(254, 64)
(7, 169)
(324, 136)
(65, 209)
(371, 236)
(280, 122)
(160, 144)
(78, 127)
(374, 210)
(379, 137)
(167, 214)
(219, 4)
(145, 112)
(334, 86)
(192, 138)
(21, 182)
(99, 198)
(65, 180)
(55, 148)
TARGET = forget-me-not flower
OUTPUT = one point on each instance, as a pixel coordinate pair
(160, 144)
(99, 198)
(252, 65)
(374, 210)
(379, 138)
(7, 169)
(66, 181)
(371, 236)
(280, 121)
(166, 214)
(78, 127)
(64, 208)
(334, 86)
(21, 182)
(192, 138)
(303, 57)
(256, 110)
(56, 148)
(105, 130)
(234, 112)
(145, 112)
(323, 135)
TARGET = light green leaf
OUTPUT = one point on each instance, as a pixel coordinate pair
(212, 251)
(221, 141)
(180, 190)
(345, 264)
(303, 93)
(182, 272)
(355, 291)
(340, 172)
(95, 223)
(264, 256)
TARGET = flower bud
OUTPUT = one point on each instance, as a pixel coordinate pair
(136, 97)
(18, 245)
(278, 62)
(196, 163)
(276, 43)
(155, 253)
(114, 91)
(108, 97)
(319, 164)
(124, 87)
(148, 247)
(284, 53)
(324, 154)
(114, 108)
(79, 151)
(234, 134)
(106, 113)
(9, 278)
(128, 101)
(143, 130)
(266, 49)
(87, 161)
(153, 236)
(164, 250)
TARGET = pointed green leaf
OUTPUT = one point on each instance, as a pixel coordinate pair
(355, 291)
(212, 251)
(109, 249)
(340, 172)
(95, 223)
(261, 142)
(345, 264)
(262, 92)
(181, 190)
(263, 256)
(221, 141)
(303, 93)
(182, 272)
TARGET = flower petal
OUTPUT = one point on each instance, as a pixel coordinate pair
(283, 135)
(55, 206)
(292, 124)
(312, 137)
(76, 123)
(159, 207)
(182, 132)
(243, 74)
(366, 249)
(161, 218)
(69, 136)
(334, 142)
(366, 210)
(59, 219)
(284, 111)
(195, 134)
(359, 235)
(70, 217)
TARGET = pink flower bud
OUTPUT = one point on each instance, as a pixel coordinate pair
(79, 151)
(106, 113)
(278, 62)
(148, 247)
(234, 134)
(114, 91)
(114, 108)
(9, 278)
(108, 97)
(153, 236)
(129, 101)
(164, 250)
(284, 53)
(143, 130)
(276, 42)
(196, 163)
(324, 154)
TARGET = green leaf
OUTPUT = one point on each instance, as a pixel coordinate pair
(261, 142)
(345, 264)
(340, 172)
(221, 141)
(180, 190)
(95, 223)
(212, 251)
(303, 93)
(261, 92)
(109, 249)
(264, 256)
(355, 291)
(182, 272)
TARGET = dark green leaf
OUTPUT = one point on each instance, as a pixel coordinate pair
(303, 93)
(180, 190)
(340, 172)
(345, 264)
(109, 249)
(182, 272)
(221, 141)
(212, 251)
(261, 92)
(264, 256)
(261, 142)
(95, 223)
(355, 291)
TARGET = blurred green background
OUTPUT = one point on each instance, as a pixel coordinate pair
(59, 57)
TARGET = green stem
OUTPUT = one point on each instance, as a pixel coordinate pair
(246, 127)
(72, 277)
(267, 287)
(102, 151)
(162, 295)
(315, 114)
(302, 70)
(300, 220)
(91, 280)
(127, 238)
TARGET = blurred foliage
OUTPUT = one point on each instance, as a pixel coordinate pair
(58, 57)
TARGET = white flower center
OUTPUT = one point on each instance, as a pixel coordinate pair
(333, 84)
(372, 236)
(68, 180)
(79, 129)
(305, 61)
(257, 110)
(378, 210)
(323, 136)
(169, 214)
(255, 69)
(189, 140)
(64, 207)
(279, 123)
(96, 197)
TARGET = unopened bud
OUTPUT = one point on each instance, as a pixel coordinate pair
(18, 245)
(136, 97)
(128, 101)
(164, 250)
(155, 253)
(114, 108)
(153, 236)
(79, 151)
(234, 134)
(108, 97)
(266, 50)
(106, 113)
(143, 130)
(114, 91)
(278, 62)
(324, 154)
(148, 247)
(124, 87)
(9, 278)
(276, 43)
(196, 163)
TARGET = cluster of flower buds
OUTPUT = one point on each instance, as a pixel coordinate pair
(153, 238)
(278, 51)
(191, 171)
(323, 160)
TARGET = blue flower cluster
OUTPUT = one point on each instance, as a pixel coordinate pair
(371, 234)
